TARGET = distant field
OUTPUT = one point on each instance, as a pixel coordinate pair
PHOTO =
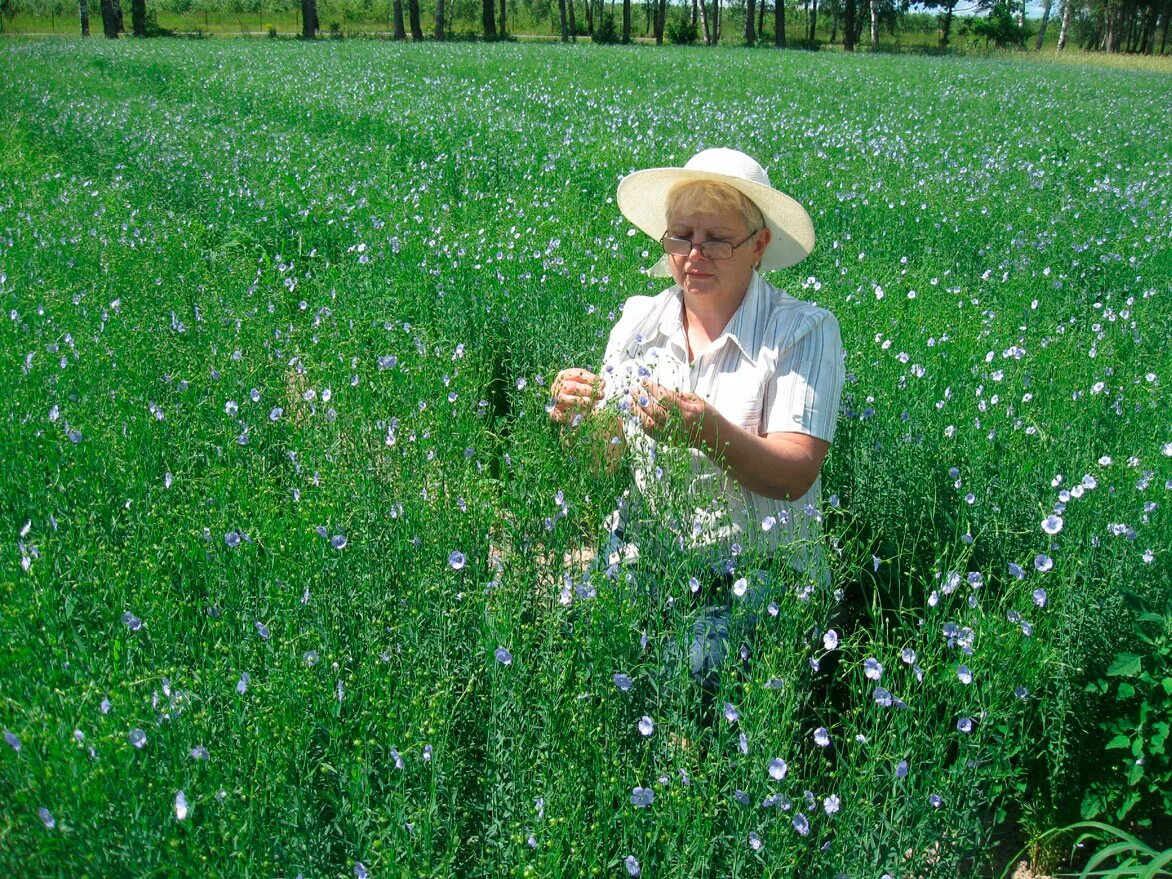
(288, 588)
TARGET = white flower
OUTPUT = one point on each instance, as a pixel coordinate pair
(181, 805)
(1052, 524)
(830, 640)
(822, 737)
(777, 769)
(646, 726)
(740, 586)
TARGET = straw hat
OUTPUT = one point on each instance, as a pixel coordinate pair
(642, 197)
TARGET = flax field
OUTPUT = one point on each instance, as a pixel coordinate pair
(296, 576)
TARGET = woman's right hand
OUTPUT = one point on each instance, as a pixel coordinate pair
(574, 392)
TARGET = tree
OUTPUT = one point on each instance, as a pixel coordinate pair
(488, 19)
(946, 8)
(565, 26)
(848, 27)
(400, 31)
(138, 17)
(109, 20)
(413, 15)
(1042, 26)
(1065, 31)
(626, 21)
(83, 9)
(439, 19)
(750, 31)
(779, 23)
(503, 27)
(1000, 26)
(309, 21)
(660, 20)
(813, 22)
(874, 25)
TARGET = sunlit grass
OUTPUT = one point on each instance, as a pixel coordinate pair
(280, 486)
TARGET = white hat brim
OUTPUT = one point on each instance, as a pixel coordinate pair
(642, 197)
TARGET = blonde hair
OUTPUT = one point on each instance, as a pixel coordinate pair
(711, 196)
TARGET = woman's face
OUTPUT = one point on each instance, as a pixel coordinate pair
(715, 280)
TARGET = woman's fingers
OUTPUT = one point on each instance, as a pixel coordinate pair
(574, 390)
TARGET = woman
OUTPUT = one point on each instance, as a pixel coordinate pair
(740, 375)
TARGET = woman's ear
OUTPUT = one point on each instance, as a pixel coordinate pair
(764, 236)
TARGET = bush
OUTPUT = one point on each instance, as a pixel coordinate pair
(682, 31)
(607, 31)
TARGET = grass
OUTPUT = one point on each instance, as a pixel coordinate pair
(280, 320)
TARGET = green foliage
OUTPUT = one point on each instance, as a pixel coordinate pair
(1137, 692)
(606, 30)
(1113, 853)
(1001, 27)
(681, 31)
(273, 354)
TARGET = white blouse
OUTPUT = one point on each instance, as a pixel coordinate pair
(777, 367)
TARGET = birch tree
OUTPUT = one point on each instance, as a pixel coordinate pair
(875, 25)
(1064, 31)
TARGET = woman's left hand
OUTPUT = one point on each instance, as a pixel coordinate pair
(673, 416)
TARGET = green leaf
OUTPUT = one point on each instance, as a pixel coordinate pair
(1126, 690)
(1126, 665)
(1167, 685)
(1119, 741)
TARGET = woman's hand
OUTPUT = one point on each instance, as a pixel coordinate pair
(672, 415)
(574, 392)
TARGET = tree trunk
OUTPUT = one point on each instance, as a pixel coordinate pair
(833, 23)
(626, 21)
(397, 13)
(848, 26)
(1111, 25)
(1042, 25)
(502, 26)
(660, 21)
(946, 27)
(488, 19)
(439, 19)
(413, 17)
(750, 21)
(874, 25)
(1021, 15)
(109, 20)
(138, 17)
(562, 15)
(573, 24)
(83, 9)
(779, 23)
(813, 22)
(118, 18)
(760, 17)
(1164, 32)
(704, 19)
(590, 17)
(1064, 31)
(308, 19)
(716, 22)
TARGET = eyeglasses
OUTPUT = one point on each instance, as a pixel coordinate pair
(713, 249)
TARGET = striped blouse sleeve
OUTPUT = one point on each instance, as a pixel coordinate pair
(804, 392)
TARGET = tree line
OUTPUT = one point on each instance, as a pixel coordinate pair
(1133, 26)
